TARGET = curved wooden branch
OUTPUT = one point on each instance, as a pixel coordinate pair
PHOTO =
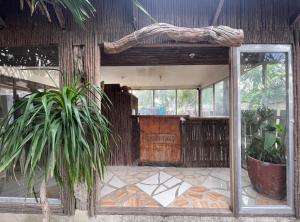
(221, 35)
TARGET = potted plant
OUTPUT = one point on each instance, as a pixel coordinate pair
(266, 155)
(57, 128)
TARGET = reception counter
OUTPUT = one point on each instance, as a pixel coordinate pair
(180, 140)
(160, 139)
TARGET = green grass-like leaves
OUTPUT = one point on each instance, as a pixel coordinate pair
(58, 128)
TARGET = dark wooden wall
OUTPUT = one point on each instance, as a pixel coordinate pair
(263, 21)
(118, 112)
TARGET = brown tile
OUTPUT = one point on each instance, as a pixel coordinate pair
(152, 204)
(200, 204)
(213, 205)
(195, 195)
(213, 196)
(198, 189)
(132, 189)
(217, 195)
(223, 204)
(181, 202)
(120, 195)
(132, 202)
(107, 203)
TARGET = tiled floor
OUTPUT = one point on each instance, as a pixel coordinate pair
(165, 187)
(173, 187)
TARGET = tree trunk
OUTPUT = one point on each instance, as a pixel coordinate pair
(44, 201)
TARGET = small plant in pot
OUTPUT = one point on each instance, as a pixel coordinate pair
(266, 155)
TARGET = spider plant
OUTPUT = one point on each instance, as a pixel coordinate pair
(57, 128)
(81, 10)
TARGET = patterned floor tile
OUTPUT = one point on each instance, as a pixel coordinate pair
(200, 197)
(129, 196)
(163, 187)
(145, 186)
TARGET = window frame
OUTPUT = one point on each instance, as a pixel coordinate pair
(176, 98)
(235, 115)
(29, 205)
(213, 85)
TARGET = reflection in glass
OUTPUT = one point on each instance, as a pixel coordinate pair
(207, 101)
(29, 63)
(222, 98)
(263, 90)
(20, 75)
(145, 101)
(165, 101)
(187, 102)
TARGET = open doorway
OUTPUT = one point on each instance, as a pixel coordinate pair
(170, 124)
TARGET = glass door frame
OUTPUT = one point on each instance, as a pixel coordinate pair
(235, 134)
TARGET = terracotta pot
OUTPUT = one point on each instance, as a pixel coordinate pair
(267, 178)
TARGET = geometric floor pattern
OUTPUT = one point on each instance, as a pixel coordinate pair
(162, 187)
(145, 186)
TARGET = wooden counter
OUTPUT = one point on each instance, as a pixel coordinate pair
(160, 139)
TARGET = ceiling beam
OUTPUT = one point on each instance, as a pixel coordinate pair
(217, 13)
(294, 18)
(2, 23)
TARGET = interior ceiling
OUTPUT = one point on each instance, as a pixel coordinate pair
(166, 76)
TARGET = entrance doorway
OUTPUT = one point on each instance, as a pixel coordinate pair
(170, 124)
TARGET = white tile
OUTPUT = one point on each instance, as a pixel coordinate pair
(214, 183)
(225, 193)
(160, 168)
(116, 182)
(222, 174)
(147, 188)
(183, 187)
(106, 190)
(167, 197)
(151, 180)
(107, 176)
(172, 182)
(160, 189)
(163, 177)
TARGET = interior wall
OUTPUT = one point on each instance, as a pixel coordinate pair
(174, 76)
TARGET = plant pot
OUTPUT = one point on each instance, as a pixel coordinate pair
(267, 178)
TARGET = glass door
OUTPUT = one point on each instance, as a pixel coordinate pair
(262, 113)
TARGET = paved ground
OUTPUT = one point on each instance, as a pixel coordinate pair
(173, 187)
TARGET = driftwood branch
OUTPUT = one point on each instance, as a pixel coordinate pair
(220, 35)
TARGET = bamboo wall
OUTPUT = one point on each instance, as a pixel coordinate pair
(263, 21)
(205, 142)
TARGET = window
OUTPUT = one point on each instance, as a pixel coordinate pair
(22, 71)
(215, 99)
(264, 144)
(145, 101)
(167, 102)
(36, 64)
(207, 101)
(187, 102)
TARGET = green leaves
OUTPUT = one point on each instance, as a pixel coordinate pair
(80, 9)
(267, 137)
(57, 128)
(142, 8)
(269, 140)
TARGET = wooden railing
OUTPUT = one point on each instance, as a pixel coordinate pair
(205, 142)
